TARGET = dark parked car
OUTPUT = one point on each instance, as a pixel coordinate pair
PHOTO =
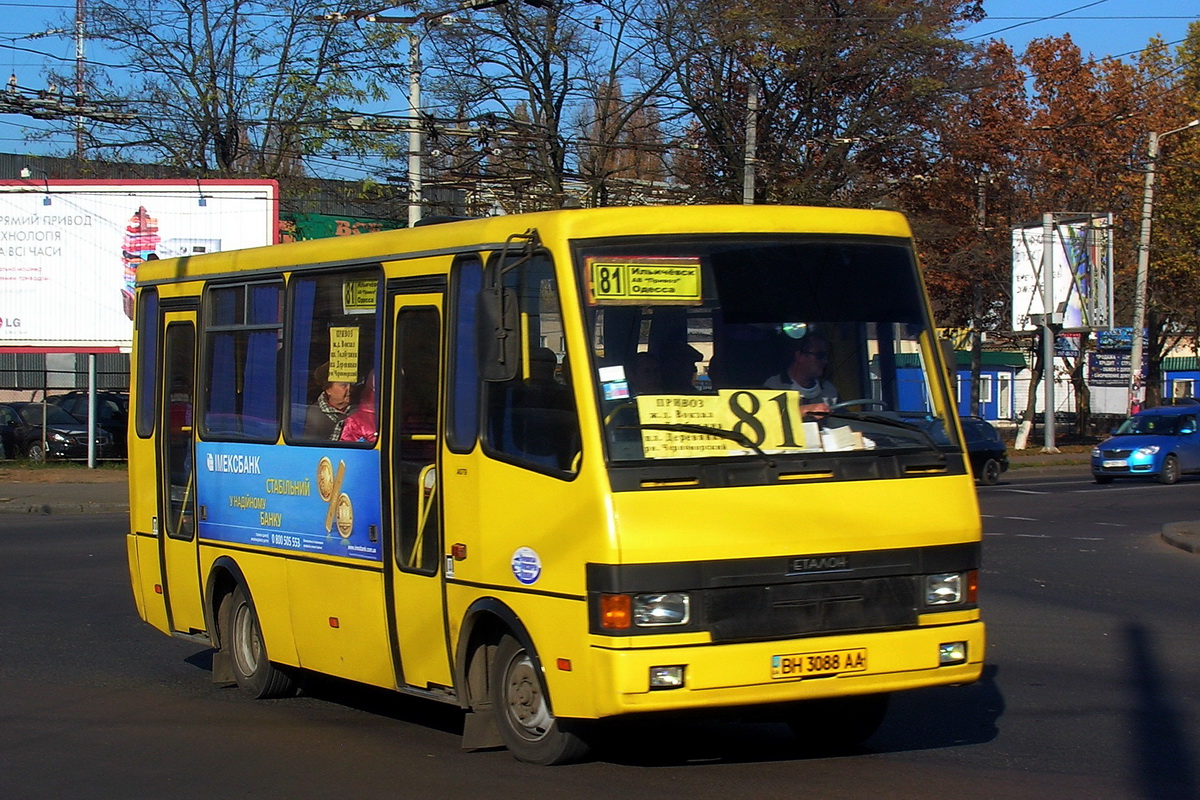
(66, 437)
(112, 413)
(985, 448)
(986, 451)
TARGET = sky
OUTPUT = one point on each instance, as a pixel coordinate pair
(1117, 28)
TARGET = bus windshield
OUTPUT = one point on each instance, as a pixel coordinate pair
(808, 345)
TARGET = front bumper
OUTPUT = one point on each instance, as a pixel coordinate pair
(1131, 465)
(733, 675)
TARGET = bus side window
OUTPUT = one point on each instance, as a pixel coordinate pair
(462, 402)
(244, 334)
(147, 361)
(532, 419)
(334, 339)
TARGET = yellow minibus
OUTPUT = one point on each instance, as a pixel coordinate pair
(562, 467)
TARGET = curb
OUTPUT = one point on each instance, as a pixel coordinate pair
(46, 509)
(1184, 535)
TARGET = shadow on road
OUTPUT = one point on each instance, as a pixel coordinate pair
(1160, 743)
(918, 720)
(922, 719)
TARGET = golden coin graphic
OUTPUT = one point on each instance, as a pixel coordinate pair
(345, 516)
(325, 478)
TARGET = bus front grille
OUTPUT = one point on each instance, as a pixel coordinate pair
(781, 611)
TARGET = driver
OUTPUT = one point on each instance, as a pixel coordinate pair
(810, 357)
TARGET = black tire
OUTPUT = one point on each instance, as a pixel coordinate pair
(1170, 471)
(837, 723)
(989, 473)
(36, 453)
(1102, 478)
(242, 639)
(522, 708)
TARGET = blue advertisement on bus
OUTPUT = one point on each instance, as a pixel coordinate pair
(320, 501)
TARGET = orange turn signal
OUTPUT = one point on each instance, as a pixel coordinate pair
(616, 611)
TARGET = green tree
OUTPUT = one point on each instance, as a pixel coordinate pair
(850, 93)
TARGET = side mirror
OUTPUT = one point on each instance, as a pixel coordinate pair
(499, 335)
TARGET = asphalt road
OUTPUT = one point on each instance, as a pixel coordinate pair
(1091, 689)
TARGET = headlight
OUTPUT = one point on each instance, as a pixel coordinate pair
(944, 589)
(58, 437)
(670, 608)
(1095, 452)
(1148, 450)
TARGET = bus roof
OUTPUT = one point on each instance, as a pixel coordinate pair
(486, 233)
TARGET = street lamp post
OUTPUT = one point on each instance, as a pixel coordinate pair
(1143, 266)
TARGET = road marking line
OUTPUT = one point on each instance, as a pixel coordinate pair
(1031, 535)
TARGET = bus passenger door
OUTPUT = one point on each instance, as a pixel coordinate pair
(176, 476)
(415, 597)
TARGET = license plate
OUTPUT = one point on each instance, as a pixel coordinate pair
(1113, 463)
(823, 663)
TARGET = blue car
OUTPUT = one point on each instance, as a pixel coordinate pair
(1162, 443)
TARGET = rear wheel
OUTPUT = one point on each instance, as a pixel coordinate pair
(989, 473)
(838, 722)
(522, 708)
(241, 637)
(1170, 471)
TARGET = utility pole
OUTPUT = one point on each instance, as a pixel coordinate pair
(1048, 445)
(414, 127)
(1143, 269)
(414, 79)
(80, 16)
(751, 154)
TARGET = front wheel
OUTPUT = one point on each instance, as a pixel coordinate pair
(1170, 471)
(36, 453)
(836, 723)
(241, 637)
(529, 730)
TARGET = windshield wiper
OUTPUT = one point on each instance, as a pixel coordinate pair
(879, 419)
(706, 430)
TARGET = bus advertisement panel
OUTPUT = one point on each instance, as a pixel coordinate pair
(305, 499)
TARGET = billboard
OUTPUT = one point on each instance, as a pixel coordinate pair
(69, 250)
(1081, 266)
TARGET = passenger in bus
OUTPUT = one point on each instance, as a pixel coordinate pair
(805, 374)
(325, 417)
(360, 425)
(644, 375)
(677, 363)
